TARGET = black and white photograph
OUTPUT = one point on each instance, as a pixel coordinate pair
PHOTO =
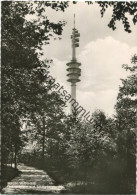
(68, 97)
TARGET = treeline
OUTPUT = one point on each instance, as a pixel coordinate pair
(99, 160)
(75, 152)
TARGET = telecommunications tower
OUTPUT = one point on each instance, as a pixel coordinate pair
(74, 71)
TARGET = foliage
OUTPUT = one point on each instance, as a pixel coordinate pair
(126, 123)
(127, 100)
(47, 122)
(22, 81)
(121, 11)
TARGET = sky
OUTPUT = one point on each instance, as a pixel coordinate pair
(102, 52)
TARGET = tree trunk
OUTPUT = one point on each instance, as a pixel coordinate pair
(43, 141)
(43, 147)
(11, 158)
(15, 159)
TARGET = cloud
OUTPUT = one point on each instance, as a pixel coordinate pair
(103, 59)
(101, 64)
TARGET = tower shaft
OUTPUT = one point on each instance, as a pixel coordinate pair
(74, 71)
(73, 96)
(73, 53)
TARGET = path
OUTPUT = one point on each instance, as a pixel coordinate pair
(32, 180)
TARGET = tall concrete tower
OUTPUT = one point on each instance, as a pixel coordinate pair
(73, 69)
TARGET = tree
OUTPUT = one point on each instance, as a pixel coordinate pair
(21, 79)
(47, 120)
(126, 124)
(126, 100)
(86, 148)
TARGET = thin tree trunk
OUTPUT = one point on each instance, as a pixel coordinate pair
(11, 158)
(43, 142)
(15, 159)
(43, 146)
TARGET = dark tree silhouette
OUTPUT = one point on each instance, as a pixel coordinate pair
(22, 81)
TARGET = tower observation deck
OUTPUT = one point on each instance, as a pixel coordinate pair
(74, 71)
